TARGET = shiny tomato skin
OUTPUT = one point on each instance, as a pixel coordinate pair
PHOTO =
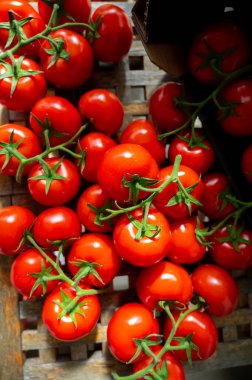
(61, 191)
(148, 250)
(14, 221)
(29, 147)
(217, 287)
(246, 163)
(64, 328)
(130, 321)
(115, 32)
(204, 332)
(142, 132)
(103, 109)
(164, 281)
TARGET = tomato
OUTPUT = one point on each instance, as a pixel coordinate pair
(130, 321)
(23, 268)
(20, 10)
(54, 224)
(200, 157)
(148, 250)
(76, 324)
(57, 115)
(62, 189)
(217, 287)
(29, 146)
(189, 178)
(103, 109)
(213, 204)
(115, 33)
(74, 63)
(122, 162)
(246, 163)
(166, 114)
(29, 88)
(142, 132)
(203, 330)
(219, 48)
(164, 281)
(14, 221)
(175, 369)
(95, 145)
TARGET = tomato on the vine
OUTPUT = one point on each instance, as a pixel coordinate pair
(246, 163)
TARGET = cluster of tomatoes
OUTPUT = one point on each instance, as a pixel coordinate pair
(172, 217)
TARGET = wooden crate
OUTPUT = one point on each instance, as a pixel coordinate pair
(27, 351)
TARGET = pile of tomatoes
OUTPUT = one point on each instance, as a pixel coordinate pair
(112, 197)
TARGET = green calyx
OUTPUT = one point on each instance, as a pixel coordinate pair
(86, 268)
(70, 306)
(60, 12)
(136, 183)
(46, 125)
(234, 237)
(183, 195)
(93, 33)
(144, 229)
(9, 148)
(144, 344)
(101, 212)
(15, 28)
(57, 51)
(42, 278)
(187, 344)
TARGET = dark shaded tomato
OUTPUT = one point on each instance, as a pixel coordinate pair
(70, 327)
(115, 33)
(14, 221)
(73, 70)
(103, 109)
(95, 145)
(246, 163)
(148, 250)
(57, 115)
(131, 321)
(142, 132)
(217, 287)
(164, 281)
(62, 189)
(29, 146)
(203, 330)
(219, 48)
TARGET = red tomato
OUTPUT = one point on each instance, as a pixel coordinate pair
(175, 369)
(62, 189)
(70, 72)
(103, 109)
(143, 132)
(29, 146)
(74, 325)
(23, 268)
(95, 145)
(29, 89)
(57, 115)
(164, 281)
(148, 250)
(14, 221)
(164, 111)
(220, 48)
(203, 330)
(54, 224)
(217, 287)
(131, 321)
(246, 163)
(122, 162)
(115, 33)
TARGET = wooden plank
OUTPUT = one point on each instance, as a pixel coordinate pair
(46, 355)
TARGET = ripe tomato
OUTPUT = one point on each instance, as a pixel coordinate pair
(95, 145)
(217, 287)
(131, 321)
(103, 109)
(54, 224)
(22, 273)
(203, 330)
(166, 114)
(57, 115)
(115, 33)
(29, 146)
(122, 162)
(164, 281)
(29, 89)
(219, 48)
(62, 189)
(143, 132)
(75, 324)
(148, 250)
(246, 163)
(74, 63)
(14, 221)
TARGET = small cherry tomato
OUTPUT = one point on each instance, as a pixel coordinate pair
(246, 163)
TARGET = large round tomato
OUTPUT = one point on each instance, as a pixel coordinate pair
(246, 163)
